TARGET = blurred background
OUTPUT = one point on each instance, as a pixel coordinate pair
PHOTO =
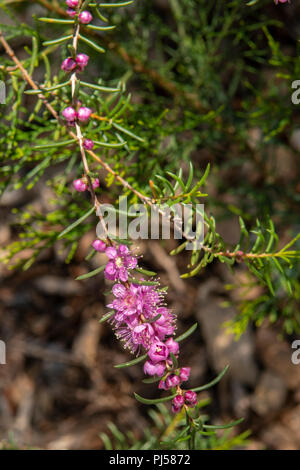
(210, 82)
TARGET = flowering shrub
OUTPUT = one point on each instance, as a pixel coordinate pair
(138, 311)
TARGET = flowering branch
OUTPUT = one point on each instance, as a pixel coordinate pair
(138, 312)
(139, 315)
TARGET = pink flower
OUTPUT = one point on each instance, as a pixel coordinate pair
(184, 373)
(95, 183)
(190, 398)
(172, 346)
(68, 65)
(158, 352)
(125, 334)
(69, 114)
(120, 261)
(84, 114)
(72, 3)
(154, 369)
(143, 334)
(71, 12)
(99, 245)
(135, 299)
(125, 302)
(281, 1)
(85, 17)
(88, 144)
(165, 324)
(79, 185)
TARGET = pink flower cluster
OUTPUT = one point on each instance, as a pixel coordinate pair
(140, 317)
(84, 17)
(281, 1)
(69, 64)
(188, 398)
(141, 320)
(71, 115)
(81, 185)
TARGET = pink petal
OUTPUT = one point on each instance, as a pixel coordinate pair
(111, 252)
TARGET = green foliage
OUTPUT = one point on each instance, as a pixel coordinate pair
(167, 432)
(282, 308)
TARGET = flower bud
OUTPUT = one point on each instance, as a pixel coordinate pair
(79, 185)
(172, 381)
(178, 400)
(69, 114)
(88, 144)
(72, 3)
(71, 12)
(162, 385)
(82, 61)
(177, 403)
(85, 17)
(190, 398)
(99, 245)
(184, 374)
(84, 114)
(96, 183)
(176, 409)
(68, 65)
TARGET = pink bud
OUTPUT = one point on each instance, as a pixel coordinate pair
(111, 252)
(177, 403)
(84, 114)
(85, 17)
(88, 144)
(96, 183)
(79, 185)
(82, 61)
(178, 400)
(72, 3)
(190, 398)
(69, 114)
(176, 409)
(68, 65)
(123, 250)
(71, 12)
(99, 245)
(184, 374)
(162, 385)
(172, 381)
